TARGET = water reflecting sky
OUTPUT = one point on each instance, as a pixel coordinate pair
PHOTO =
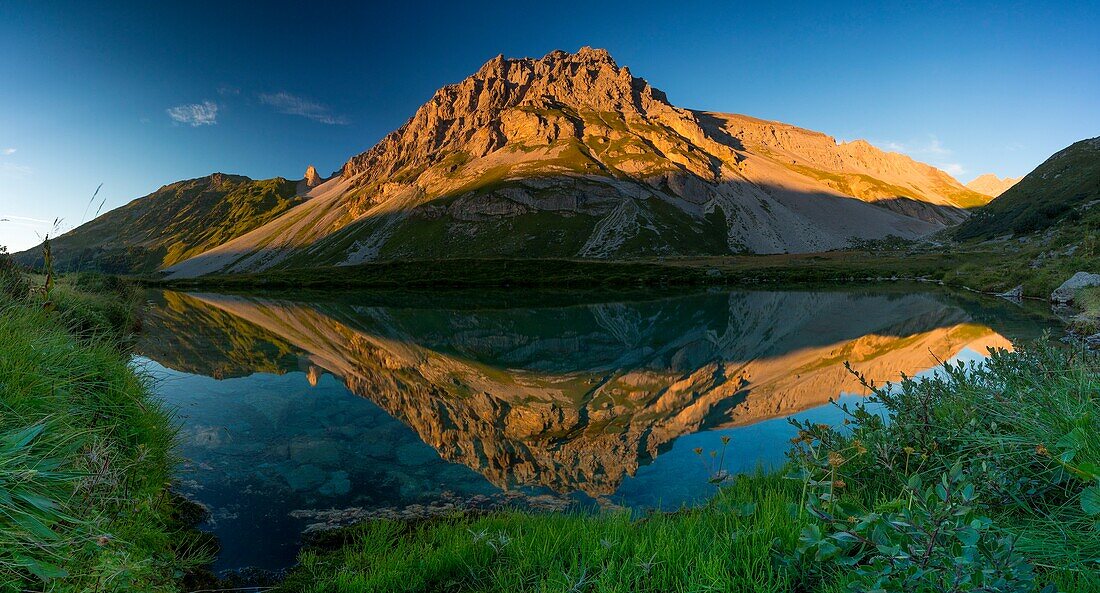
(291, 406)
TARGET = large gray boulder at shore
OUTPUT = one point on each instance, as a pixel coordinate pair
(1065, 293)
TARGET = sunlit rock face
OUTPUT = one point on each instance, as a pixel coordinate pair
(572, 155)
(578, 397)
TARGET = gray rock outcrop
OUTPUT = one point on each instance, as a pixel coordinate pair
(1064, 294)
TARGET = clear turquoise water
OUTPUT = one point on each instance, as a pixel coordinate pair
(295, 408)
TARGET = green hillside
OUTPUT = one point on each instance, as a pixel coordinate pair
(171, 224)
(1061, 193)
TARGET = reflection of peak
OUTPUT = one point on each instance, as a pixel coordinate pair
(313, 375)
(579, 397)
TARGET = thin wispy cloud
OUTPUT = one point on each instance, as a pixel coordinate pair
(195, 114)
(25, 221)
(7, 151)
(14, 171)
(284, 102)
(929, 150)
(931, 146)
(226, 90)
(953, 169)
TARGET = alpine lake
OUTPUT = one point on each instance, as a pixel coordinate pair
(304, 411)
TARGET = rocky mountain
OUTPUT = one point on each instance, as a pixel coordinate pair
(1062, 194)
(175, 222)
(991, 185)
(571, 155)
(576, 397)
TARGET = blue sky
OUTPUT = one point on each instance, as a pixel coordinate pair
(137, 95)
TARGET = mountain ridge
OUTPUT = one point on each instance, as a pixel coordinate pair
(572, 156)
(170, 224)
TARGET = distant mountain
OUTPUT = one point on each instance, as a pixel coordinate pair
(174, 223)
(991, 185)
(573, 156)
(1062, 192)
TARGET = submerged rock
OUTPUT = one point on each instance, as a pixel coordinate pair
(338, 484)
(306, 477)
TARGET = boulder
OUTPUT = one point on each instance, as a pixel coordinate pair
(1015, 294)
(1065, 293)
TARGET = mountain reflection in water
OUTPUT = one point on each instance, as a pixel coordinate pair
(467, 395)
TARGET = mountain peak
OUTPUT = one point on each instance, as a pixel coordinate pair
(991, 185)
(312, 179)
(506, 97)
(585, 55)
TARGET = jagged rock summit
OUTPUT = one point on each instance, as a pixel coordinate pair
(312, 179)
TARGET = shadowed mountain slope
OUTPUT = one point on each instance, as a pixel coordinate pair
(1060, 194)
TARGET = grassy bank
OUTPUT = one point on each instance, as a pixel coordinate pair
(1087, 322)
(726, 546)
(85, 458)
(987, 269)
(982, 479)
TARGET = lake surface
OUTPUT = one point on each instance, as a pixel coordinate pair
(304, 410)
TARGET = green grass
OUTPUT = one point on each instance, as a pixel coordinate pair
(1088, 321)
(726, 546)
(85, 458)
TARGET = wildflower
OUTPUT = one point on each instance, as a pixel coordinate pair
(1041, 449)
(859, 446)
(909, 450)
(852, 519)
(725, 440)
(839, 484)
(103, 540)
(823, 427)
(698, 450)
(836, 459)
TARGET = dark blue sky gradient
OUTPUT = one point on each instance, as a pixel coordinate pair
(985, 87)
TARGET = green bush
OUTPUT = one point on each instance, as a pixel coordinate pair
(1015, 441)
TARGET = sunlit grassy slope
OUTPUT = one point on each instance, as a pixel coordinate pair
(171, 224)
